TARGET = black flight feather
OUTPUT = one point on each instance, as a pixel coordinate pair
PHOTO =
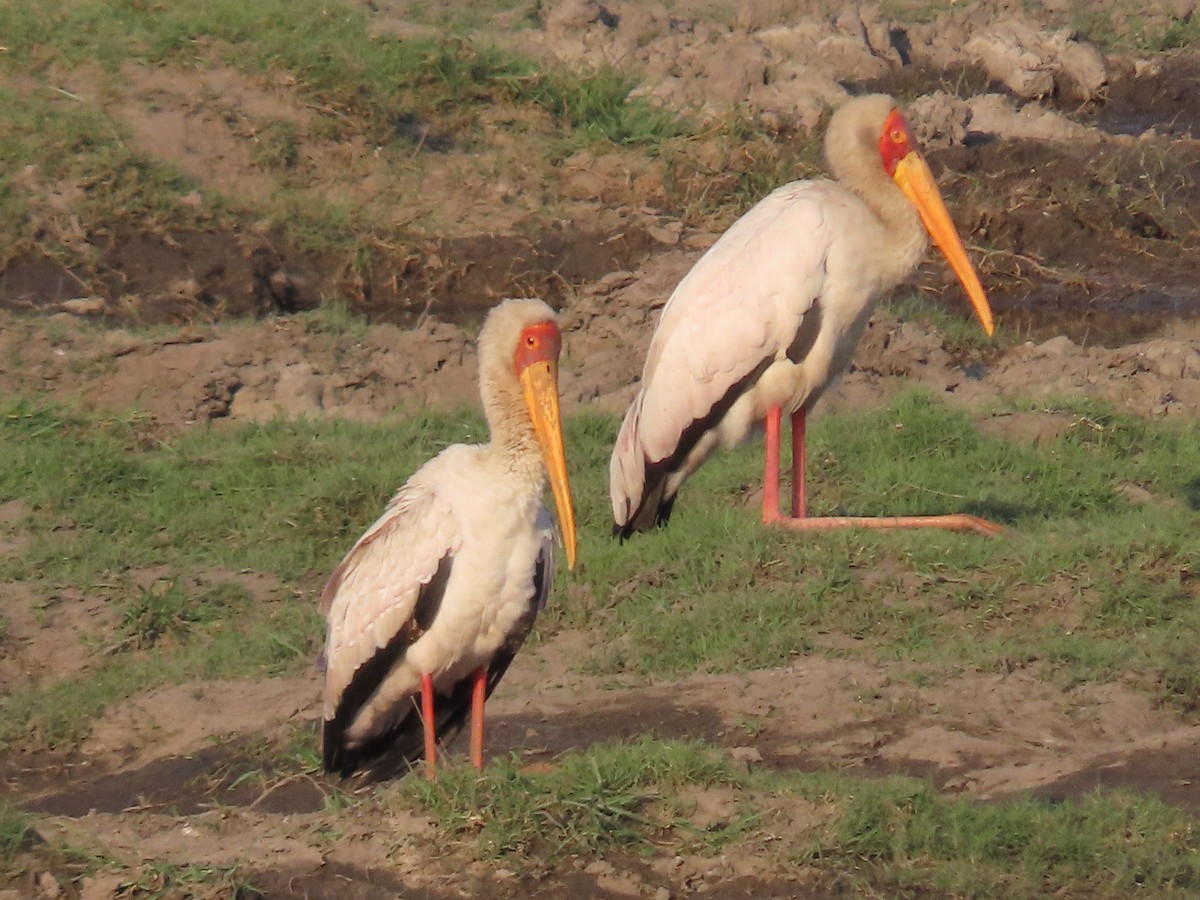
(396, 750)
(654, 509)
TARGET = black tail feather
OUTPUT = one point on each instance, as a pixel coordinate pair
(654, 510)
(394, 751)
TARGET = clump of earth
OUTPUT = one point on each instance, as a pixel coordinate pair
(1072, 172)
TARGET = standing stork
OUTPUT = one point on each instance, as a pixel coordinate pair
(438, 595)
(770, 316)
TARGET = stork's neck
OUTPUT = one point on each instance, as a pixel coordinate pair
(513, 445)
(905, 238)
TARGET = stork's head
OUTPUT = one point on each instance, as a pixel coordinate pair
(519, 344)
(870, 132)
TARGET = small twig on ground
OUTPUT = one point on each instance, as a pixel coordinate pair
(301, 776)
(1061, 275)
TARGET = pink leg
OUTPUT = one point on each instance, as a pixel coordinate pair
(478, 695)
(770, 501)
(801, 521)
(948, 522)
(799, 491)
(430, 736)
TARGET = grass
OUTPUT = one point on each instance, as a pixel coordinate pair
(1143, 192)
(178, 535)
(597, 105)
(200, 497)
(902, 836)
(161, 879)
(287, 499)
(171, 610)
(1113, 26)
(894, 835)
(194, 511)
(462, 18)
(347, 84)
(162, 529)
(916, 11)
(671, 602)
(328, 50)
(17, 836)
(1161, 34)
(77, 151)
(385, 90)
(716, 176)
(589, 802)
(616, 801)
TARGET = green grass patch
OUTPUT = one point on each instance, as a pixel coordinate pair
(262, 641)
(329, 50)
(894, 834)
(716, 592)
(463, 18)
(76, 152)
(1160, 34)
(157, 878)
(103, 499)
(1093, 22)
(589, 802)
(393, 94)
(335, 318)
(712, 592)
(920, 12)
(900, 835)
(106, 504)
(17, 836)
(599, 107)
(169, 610)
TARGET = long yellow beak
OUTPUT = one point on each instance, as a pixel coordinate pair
(914, 178)
(539, 382)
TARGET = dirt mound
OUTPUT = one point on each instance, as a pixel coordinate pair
(1072, 167)
(789, 62)
(291, 368)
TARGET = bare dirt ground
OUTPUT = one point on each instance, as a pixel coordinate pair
(1091, 264)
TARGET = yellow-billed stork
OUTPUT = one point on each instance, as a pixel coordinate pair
(770, 316)
(435, 599)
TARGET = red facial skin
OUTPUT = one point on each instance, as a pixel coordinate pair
(896, 141)
(539, 343)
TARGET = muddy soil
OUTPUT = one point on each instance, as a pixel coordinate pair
(1074, 174)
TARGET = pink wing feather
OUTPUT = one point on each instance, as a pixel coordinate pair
(373, 592)
(741, 303)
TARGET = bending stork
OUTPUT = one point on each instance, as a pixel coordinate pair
(770, 316)
(435, 599)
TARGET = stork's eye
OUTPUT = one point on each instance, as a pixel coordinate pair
(530, 341)
(897, 136)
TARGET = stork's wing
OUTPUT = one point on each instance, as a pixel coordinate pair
(394, 751)
(742, 305)
(397, 739)
(380, 599)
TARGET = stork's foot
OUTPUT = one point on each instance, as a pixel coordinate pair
(950, 522)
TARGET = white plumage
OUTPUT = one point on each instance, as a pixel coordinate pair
(447, 582)
(771, 313)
